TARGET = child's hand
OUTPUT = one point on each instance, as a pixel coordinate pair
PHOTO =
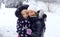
(29, 31)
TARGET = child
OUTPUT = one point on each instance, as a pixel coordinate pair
(23, 23)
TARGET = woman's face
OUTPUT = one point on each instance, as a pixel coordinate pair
(32, 13)
(24, 13)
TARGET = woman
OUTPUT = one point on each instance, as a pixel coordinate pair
(38, 24)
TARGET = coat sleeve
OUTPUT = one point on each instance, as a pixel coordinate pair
(19, 27)
(39, 29)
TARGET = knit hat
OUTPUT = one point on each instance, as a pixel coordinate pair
(32, 7)
(19, 9)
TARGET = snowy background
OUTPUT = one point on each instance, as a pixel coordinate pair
(8, 19)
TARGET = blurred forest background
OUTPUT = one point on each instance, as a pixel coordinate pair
(16, 3)
(8, 18)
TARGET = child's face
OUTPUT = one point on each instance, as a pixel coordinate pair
(32, 13)
(24, 13)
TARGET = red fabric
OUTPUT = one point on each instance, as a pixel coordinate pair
(19, 36)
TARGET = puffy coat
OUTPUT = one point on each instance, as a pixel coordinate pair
(38, 26)
(22, 24)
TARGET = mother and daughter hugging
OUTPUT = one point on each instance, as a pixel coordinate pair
(30, 23)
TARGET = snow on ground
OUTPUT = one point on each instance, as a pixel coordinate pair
(52, 25)
(8, 21)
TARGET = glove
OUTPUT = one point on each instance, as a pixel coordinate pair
(29, 31)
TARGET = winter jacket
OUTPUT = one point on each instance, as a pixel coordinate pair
(38, 26)
(22, 26)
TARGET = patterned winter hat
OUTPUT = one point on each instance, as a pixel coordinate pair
(19, 9)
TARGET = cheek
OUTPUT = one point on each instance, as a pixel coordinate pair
(25, 15)
(30, 14)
